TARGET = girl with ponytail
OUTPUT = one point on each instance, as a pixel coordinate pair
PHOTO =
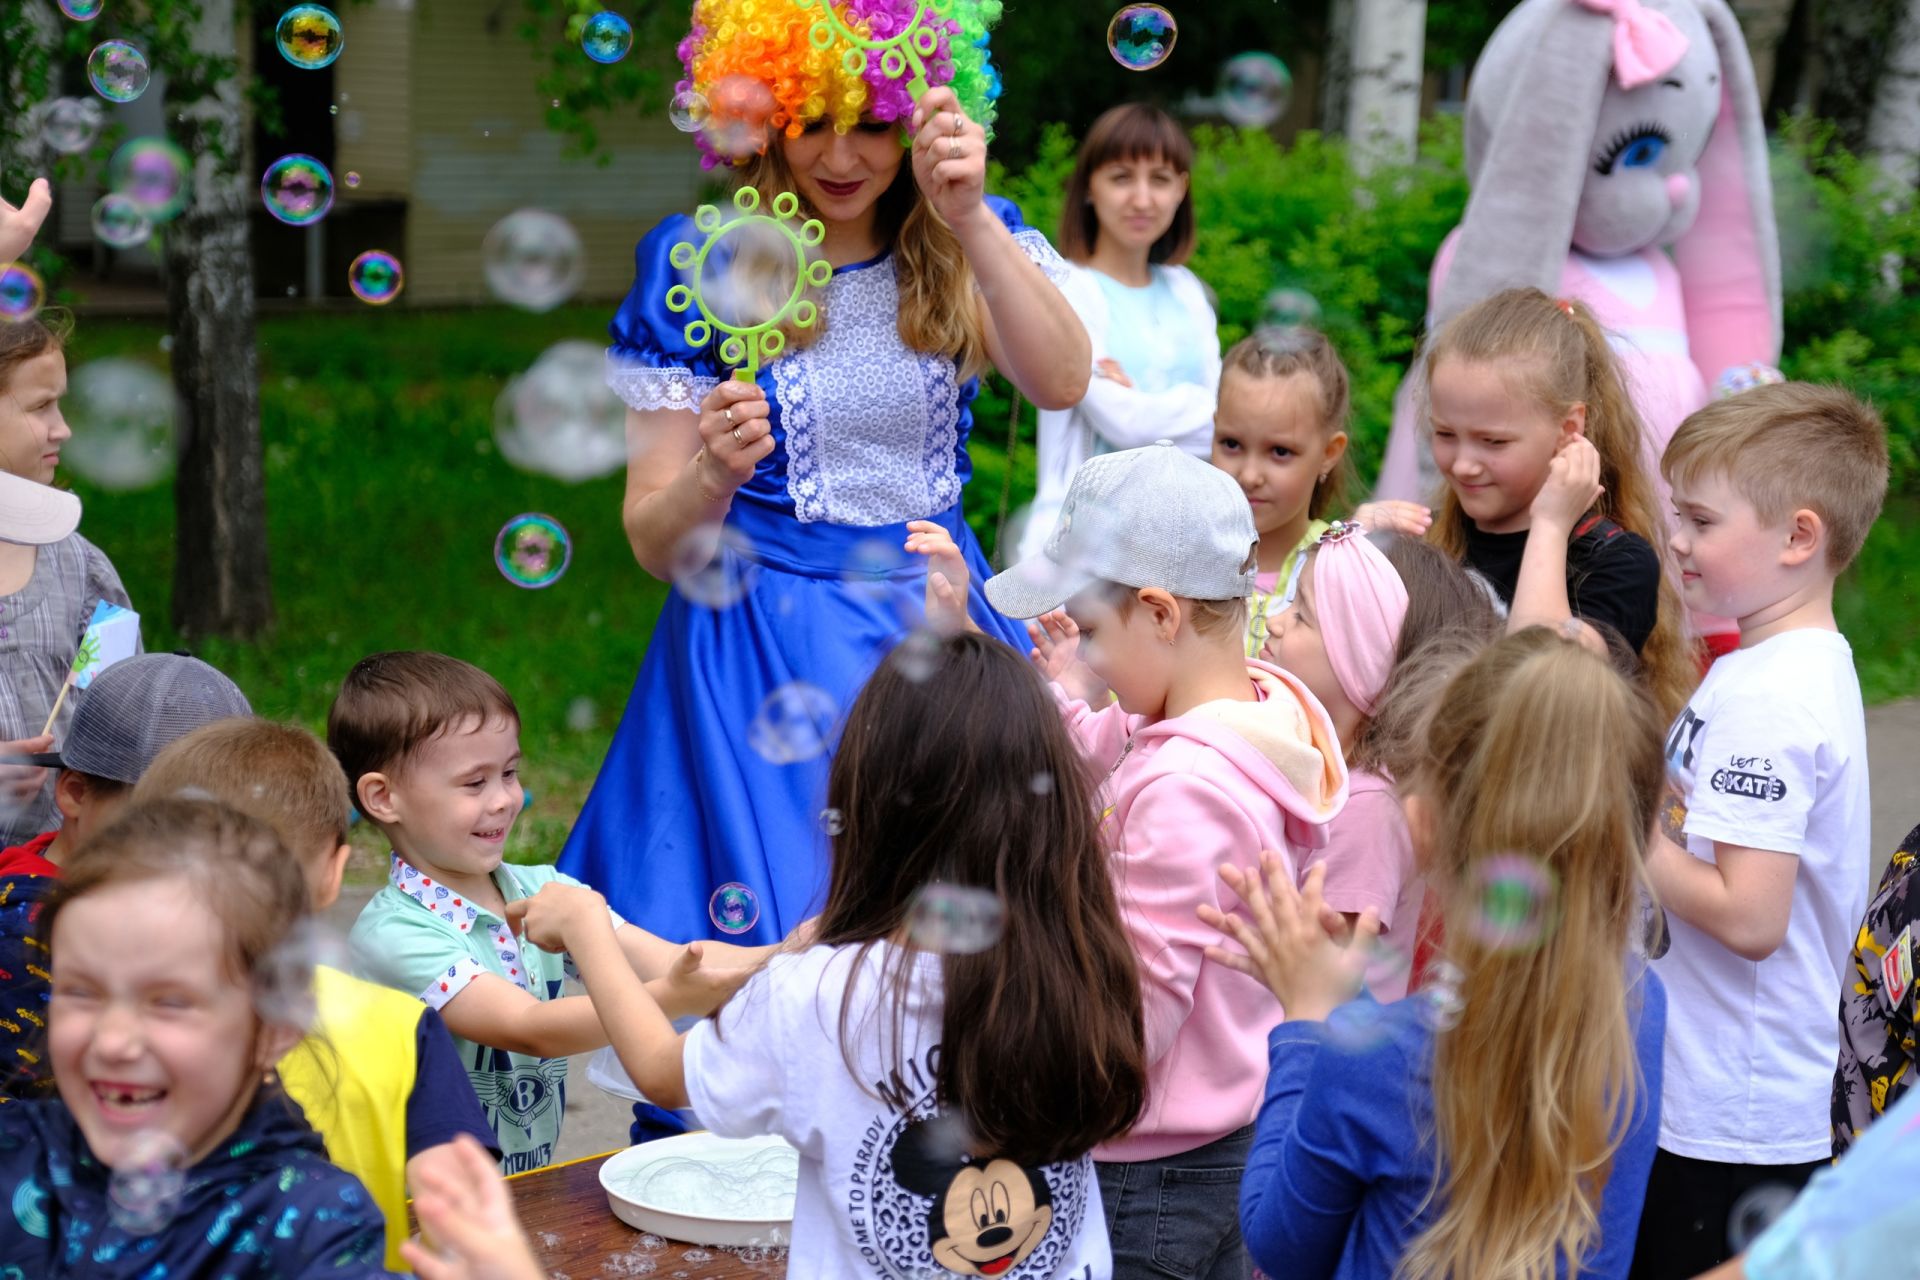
(1503, 1122)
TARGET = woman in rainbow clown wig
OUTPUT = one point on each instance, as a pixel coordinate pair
(780, 507)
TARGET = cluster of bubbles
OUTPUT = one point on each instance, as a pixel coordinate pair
(376, 277)
(607, 37)
(532, 551)
(83, 10)
(123, 416)
(560, 419)
(1141, 36)
(297, 189)
(955, 919)
(118, 71)
(733, 908)
(309, 36)
(1441, 1003)
(1516, 899)
(756, 1188)
(71, 125)
(713, 566)
(1255, 90)
(22, 292)
(533, 260)
(148, 1182)
(794, 724)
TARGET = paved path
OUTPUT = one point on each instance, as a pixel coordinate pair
(598, 1122)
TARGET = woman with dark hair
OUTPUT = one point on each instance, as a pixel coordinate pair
(1127, 228)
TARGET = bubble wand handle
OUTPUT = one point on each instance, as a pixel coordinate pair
(749, 347)
(906, 51)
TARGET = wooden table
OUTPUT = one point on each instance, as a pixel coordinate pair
(574, 1232)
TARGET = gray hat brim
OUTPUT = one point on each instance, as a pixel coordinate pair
(1036, 585)
(35, 514)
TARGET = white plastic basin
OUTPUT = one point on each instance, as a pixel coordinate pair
(622, 1176)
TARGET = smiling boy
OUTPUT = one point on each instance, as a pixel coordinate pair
(1763, 864)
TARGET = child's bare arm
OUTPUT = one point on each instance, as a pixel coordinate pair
(495, 1012)
(1742, 899)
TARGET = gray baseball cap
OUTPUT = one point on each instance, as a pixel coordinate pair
(137, 707)
(1152, 517)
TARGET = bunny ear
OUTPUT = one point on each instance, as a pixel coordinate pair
(1534, 156)
(1729, 261)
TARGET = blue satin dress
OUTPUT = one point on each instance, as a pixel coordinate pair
(868, 435)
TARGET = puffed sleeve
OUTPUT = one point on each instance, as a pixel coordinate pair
(650, 364)
(1033, 243)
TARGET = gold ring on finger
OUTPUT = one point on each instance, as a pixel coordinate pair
(954, 149)
(736, 438)
(728, 414)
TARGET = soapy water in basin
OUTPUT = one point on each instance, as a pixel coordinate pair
(760, 1187)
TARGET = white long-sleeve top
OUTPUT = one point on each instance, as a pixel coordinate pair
(1124, 417)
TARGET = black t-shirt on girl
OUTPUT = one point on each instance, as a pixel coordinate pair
(1613, 575)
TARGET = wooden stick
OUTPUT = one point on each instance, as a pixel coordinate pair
(47, 728)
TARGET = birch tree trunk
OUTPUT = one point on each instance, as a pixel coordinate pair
(1383, 100)
(1337, 76)
(1893, 129)
(221, 585)
(1852, 42)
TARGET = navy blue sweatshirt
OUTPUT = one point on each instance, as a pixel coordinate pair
(1343, 1152)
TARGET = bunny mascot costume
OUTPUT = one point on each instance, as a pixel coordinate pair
(1598, 133)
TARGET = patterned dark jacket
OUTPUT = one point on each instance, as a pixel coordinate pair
(1876, 1020)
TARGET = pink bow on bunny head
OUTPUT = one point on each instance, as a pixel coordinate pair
(1646, 44)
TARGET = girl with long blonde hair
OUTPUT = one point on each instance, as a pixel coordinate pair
(1502, 1122)
(778, 506)
(1548, 494)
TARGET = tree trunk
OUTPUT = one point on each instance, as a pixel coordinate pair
(1893, 130)
(1764, 23)
(1852, 43)
(1337, 75)
(220, 580)
(1383, 100)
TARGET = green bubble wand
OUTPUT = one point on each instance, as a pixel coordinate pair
(748, 347)
(906, 51)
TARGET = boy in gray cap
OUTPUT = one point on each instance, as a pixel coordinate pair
(120, 723)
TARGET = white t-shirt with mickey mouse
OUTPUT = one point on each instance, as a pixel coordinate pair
(882, 1192)
(1770, 753)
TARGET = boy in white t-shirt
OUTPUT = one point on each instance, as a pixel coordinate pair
(1763, 859)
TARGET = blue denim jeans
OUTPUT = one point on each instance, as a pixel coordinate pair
(1179, 1216)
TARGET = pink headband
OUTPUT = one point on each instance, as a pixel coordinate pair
(1360, 603)
(1646, 44)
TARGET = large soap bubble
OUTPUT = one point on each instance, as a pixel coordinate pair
(560, 419)
(123, 418)
(534, 260)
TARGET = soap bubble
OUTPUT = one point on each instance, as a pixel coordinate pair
(607, 37)
(155, 174)
(918, 656)
(533, 260)
(1440, 1000)
(353, 179)
(713, 566)
(309, 36)
(955, 919)
(1358, 1026)
(1754, 1212)
(1255, 89)
(1745, 377)
(560, 419)
(283, 980)
(696, 1256)
(688, 110)
(532, 551)
(1141, 36)
(832, 821)
(582, 715)
(120, 222)
(733, 908)
(122, 413)
(297, 189)
(794, 724)
(872, 564)
(22, 293)
(118, 71)
(148, 1181)
(739, 110)
(376, 277)
(70, 125)
(1041, 784)
(83, 10)
(1516, 901)
(1288, 308)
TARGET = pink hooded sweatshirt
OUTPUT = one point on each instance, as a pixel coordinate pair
(1185, 797)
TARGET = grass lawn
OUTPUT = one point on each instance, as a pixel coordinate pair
(385, 494)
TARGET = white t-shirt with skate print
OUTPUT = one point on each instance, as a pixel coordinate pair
(1770, 753)
(885, 1191)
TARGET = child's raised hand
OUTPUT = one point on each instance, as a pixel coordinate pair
(467, 1216)
(1056, 654)
(697, 988)
(947, 577)
(1573, 485)
(19, 226)
(1289, 945)
(545, 919)
(1394, 516)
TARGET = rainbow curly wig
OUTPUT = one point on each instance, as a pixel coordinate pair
(771, 45)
